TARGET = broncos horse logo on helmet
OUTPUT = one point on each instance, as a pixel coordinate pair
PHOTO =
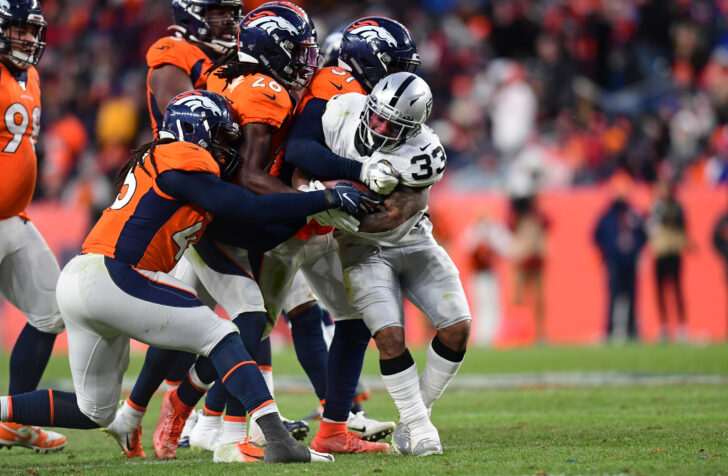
(281, 38)
(204, 119)
(15, 17)
(373, 47)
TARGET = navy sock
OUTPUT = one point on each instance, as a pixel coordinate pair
(240, 373)
(308, 340)
(346, 357)
(29, 359)
(178, 371)
(326, 318)
(157, 363)
(50, 408)
(215, 399)
(190, 394)
(265, 355)
(251, 326)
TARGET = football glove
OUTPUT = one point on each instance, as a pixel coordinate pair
(350, 199)
(379, 176)
(338, 220)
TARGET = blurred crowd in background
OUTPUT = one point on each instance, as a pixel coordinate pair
(529, 96)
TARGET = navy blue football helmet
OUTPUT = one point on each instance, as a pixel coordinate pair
(374, 47)
(194, 19)
(279, 37)
(330, 50)
(23, 17)
(204, 118)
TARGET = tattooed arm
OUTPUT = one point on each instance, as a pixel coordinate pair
(403, 203)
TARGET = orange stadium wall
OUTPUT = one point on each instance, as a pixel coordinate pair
(575, 285)
(575, 280)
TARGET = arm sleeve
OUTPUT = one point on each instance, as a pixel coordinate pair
(307, 148)
(230, 201)
(263, 238)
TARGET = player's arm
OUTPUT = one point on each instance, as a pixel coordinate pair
(262, 238)
(166, 82)
(306, 147)
(227, 200)
(401, 205)
(255, 153)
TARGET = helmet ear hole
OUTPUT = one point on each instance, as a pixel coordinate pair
(188, 128)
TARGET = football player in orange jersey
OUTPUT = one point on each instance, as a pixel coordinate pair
(281, 43)
(371, 48)
(28, 269)
(203, 31)
(119, 287)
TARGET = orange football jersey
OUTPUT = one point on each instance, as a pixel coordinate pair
(144, 226)
(179, 52)
(327, 83)
(258, 98)
(19, 128)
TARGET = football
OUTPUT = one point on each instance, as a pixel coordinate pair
(360, 186)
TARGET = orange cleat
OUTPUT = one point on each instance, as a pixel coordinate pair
(32, 437)
(347, 442)
(172, 419)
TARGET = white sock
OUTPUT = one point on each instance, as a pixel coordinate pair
(437, 375)
(4, 408)
(268, 377)
(131, 414)
(232, 431)
(208, 422)
(404, 387)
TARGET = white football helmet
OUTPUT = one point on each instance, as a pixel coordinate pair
(395, 110)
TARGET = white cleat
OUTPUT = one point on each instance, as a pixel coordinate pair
(401, 440)
(242, 452)
(426, 441)
(367, 428)
(184, 439)
(31, 437)
(126, 434)
(206, 432)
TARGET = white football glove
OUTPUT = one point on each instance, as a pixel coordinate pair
(312, 186)
(379, 176)
(338, 219)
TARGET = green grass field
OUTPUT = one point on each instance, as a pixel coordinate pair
(635, 426)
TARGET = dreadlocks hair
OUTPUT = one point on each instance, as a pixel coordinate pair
(227, 67)
(138, 159)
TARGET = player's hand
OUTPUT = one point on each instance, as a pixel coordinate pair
(349, 199)
(338, 220)
(379, 176)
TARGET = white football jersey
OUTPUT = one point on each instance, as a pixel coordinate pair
(420, 163)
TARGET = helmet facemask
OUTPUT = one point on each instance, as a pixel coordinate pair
(224, 147)
(223, 23)
(212, 24)
(20, 50)
(383, 128)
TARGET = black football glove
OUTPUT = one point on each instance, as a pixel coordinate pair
(350, 199)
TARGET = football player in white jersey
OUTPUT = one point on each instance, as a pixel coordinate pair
(393, 254)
